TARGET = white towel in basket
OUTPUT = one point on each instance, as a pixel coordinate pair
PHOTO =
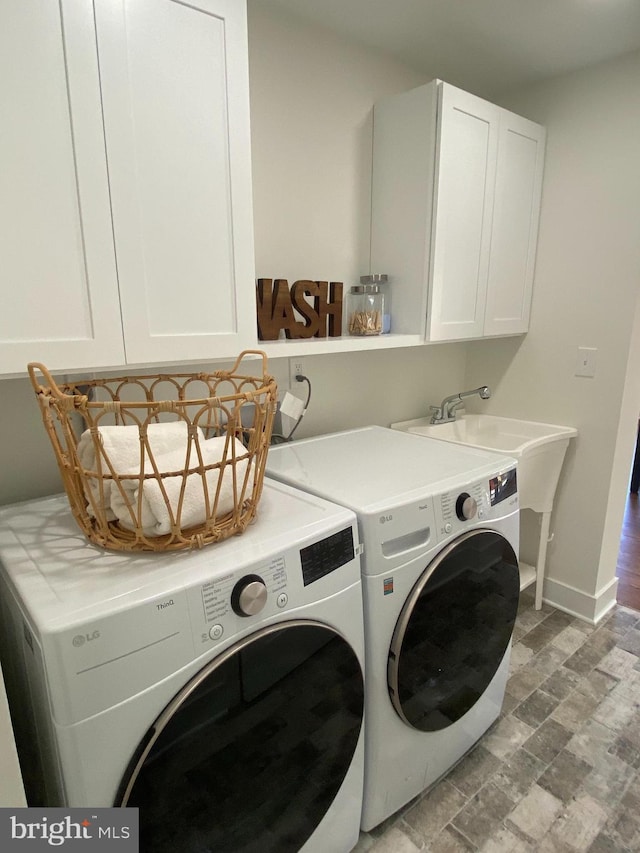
(122, 446)
(155, 517)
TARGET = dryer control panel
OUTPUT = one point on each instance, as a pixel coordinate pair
(480, 501)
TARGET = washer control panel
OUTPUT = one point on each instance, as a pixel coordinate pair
(240, 595)
(234, 601)
(476, 503)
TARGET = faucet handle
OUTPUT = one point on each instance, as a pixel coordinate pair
(436, 414)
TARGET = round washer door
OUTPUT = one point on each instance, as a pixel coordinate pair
(454, 630)
(250, 755)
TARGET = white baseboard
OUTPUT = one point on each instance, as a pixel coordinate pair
(576, 602)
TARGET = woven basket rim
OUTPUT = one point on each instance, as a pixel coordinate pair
(59, 392)
(89, 491)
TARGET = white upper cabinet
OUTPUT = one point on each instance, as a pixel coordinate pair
(463, 207)
(58, 273)
(456, 199)
(175, 92)
(127, 225)
(514, 232)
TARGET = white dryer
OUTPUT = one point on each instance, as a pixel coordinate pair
(220, 691)
(440, 527)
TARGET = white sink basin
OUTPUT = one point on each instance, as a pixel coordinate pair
(539, 448)
(490, 432)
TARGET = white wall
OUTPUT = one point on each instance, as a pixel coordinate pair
(311, 121)
(585, 293)
(312, 95)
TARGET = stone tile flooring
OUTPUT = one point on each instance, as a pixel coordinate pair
(559, 771)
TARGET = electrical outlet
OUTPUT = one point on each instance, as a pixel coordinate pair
(296, 367)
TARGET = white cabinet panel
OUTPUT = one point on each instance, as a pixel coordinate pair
(59, 286)
(175, 94)
(465, 169)
(404, 144)
(515, 225)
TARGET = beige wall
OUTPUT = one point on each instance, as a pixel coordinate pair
(11, 787)
(586, 288)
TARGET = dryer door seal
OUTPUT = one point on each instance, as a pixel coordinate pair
(251, 753)
(454, 631)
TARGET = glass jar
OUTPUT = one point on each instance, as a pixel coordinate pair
(381, 280)
(365, 310)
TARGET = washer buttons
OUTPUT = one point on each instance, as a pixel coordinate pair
(282, 599)
(216, 631)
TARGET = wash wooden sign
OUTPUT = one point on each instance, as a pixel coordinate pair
(319, 303)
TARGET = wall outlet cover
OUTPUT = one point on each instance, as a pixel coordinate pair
(296, 368)
(586, 361)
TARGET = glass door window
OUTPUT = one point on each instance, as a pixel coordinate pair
(252, 752)
(454, 630)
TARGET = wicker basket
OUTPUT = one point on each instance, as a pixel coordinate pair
(161, 462)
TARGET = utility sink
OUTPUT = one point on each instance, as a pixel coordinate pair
(539, 448)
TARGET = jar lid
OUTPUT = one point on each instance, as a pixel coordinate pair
(365, 288)
(374, 278)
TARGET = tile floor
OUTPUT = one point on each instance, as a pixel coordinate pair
(559, 771)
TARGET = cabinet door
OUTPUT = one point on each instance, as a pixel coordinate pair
(463, 208)
(515, 225)
(59, 288)
(404, 146)
(176, 112)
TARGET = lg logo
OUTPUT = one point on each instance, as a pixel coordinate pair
(385, 518)
(81, 639)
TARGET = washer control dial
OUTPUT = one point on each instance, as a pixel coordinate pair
(249, 596)
(466, 506)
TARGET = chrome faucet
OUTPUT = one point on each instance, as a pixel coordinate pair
(446, 411)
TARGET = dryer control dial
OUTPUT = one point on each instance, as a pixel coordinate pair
(249, 596)
(466, 506)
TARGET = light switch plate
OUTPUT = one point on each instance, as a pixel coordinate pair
(586, 361)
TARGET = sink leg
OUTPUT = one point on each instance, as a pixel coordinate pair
(542, 557)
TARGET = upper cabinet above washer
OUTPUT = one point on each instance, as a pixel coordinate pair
(58, 274)
(127, 232)
(175, 91)
(456, 200)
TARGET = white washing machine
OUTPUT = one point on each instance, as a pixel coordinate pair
(220, 691)
(440, 527)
